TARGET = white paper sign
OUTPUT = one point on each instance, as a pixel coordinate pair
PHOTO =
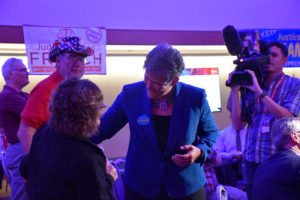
(38, 41)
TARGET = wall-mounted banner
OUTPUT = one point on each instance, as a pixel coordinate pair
(38, 41)
(289, 37)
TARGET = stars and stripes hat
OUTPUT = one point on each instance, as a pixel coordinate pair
(71, 45)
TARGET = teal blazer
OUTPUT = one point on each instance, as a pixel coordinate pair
(148, 169)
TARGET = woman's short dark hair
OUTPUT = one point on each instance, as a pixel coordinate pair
(75, 108)
(164, 59)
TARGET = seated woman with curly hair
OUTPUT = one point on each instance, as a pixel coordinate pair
(62, 162)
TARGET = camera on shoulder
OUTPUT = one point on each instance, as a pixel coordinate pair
(250, 56)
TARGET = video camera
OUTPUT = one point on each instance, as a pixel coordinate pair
(248, 56)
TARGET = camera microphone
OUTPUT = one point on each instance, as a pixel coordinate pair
(263, 47)
(232, 40)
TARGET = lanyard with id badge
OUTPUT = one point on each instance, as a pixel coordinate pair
(266, 124)
(267, 116)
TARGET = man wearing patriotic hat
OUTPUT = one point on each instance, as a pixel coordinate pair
(69, 55)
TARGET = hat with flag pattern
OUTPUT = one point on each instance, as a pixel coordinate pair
(69, 45)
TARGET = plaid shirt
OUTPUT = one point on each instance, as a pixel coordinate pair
(285, 91)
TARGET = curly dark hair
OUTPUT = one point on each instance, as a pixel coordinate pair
(75, 108)
(164, 59)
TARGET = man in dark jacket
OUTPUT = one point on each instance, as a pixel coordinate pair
(279, 177)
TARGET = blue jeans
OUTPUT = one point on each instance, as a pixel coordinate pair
(13, 156)
(249, 169)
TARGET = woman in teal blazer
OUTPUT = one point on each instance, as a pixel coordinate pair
(171, 131)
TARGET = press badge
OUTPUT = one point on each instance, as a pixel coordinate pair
(265, 129)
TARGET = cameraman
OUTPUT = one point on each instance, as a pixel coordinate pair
(279, 96)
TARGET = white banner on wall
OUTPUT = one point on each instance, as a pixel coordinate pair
(38, 41)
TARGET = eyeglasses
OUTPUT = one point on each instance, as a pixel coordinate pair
(102, 107)
(157, 83)
(21, 70)
(79, 59)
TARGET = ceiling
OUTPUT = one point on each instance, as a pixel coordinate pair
(195, 15)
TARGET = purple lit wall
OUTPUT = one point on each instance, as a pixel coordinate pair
(192, 15)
